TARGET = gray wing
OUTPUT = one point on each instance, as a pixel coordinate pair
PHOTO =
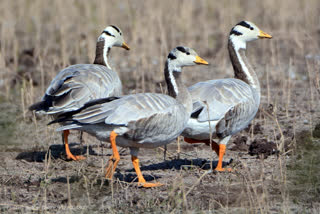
(143, 114)
(232, 102)
(127, 109)
(78, 84)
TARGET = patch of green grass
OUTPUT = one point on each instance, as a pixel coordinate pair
(8, 114)
(316, 131)
(304, 170)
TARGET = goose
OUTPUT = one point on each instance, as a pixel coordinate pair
(144, 120)
(80, 83)
(224, 107)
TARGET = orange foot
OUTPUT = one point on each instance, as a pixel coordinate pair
(75, 157)
(115, 157)
(141, 181)
(70, 156)
(223, 169)
(222, 149)
(149, 185)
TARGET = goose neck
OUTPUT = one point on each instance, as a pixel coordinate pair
(241, 66)
(102, 53)
(176, 87)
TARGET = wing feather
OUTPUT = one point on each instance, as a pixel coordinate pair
(78, 84)
(127, 109)
(218, 97)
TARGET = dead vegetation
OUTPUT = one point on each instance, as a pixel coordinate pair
(39, 38)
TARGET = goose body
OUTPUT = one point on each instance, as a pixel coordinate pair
(223, 107)
(230, 105)
(80, 83)
(145, 120)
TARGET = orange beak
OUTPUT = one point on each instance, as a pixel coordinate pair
(199, 60)
(264, 35)
(125, 46)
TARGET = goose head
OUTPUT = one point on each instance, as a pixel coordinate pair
(112, 36)
(178, 58)
(184, 56)
(244, 32)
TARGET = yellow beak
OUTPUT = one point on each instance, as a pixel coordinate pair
(264, 35)
(199, 60)
(125, 46)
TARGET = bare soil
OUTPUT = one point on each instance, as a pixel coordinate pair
(36, 177)
(275, 161)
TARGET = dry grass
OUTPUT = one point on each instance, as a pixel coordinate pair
(38, 38)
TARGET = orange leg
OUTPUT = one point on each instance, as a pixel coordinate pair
(222, 150)
(66, 145)
(115, 157)
(214, 145)
(141, 181)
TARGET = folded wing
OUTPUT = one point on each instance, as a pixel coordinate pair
(77, 84)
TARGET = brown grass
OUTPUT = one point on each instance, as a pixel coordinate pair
(38, 38)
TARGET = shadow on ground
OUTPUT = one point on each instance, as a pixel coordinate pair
(56, 151)
(132, 177)
(182, 164)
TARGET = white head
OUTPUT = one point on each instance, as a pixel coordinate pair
(244, 32)
(184, 56)
(112, 36)
(178, 58)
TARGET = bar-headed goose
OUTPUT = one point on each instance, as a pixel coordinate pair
(145, 120)
(80, 83)
(223, 107)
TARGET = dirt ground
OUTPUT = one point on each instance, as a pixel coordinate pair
(275, 161)
(37, 178)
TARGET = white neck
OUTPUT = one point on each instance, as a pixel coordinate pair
(102, 52)
(171, 68)
(242, 67)
(106, 51)
(176, 88)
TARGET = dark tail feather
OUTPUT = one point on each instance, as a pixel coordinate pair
(58, 120)
(98, 101)
(42, 105)
(67, 116)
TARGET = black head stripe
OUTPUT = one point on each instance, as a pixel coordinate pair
(108, 33)
(234, 32)
(244, 24)
(182, 49)
(117, 29)
(171, 56)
